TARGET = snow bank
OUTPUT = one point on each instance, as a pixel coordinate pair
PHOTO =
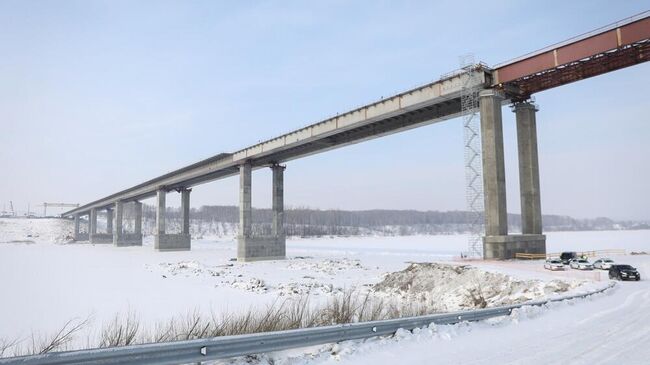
(446, 287)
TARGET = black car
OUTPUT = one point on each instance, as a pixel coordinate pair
(624, 272)
(566, 257)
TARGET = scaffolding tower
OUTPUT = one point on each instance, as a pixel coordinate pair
(473, 155)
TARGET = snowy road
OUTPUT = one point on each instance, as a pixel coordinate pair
(606, 329)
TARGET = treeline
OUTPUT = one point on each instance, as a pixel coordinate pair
(223, 220)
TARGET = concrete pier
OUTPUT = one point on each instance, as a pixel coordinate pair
(118, 230)
(121, 238)
(185, 211)
(497, 243)
(494, 175)
(278, 200)
(137, 226)
(76, 228)
(256, 248)
(169, 241)
(109, 220)
(531, 209)
(94, 237)
(92, 221)
(245, 205)
(161, 207)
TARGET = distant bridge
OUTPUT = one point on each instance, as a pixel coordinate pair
(603, 50)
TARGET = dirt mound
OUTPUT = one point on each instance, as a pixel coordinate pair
(452, 287)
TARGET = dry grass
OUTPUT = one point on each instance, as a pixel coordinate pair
(347, 307)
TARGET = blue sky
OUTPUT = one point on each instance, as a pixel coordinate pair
(96, 96)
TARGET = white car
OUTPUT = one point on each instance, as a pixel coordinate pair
(603, 264)
(554, 264)
(581, 264)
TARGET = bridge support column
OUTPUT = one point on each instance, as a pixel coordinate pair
(169, 241)
(497, 243)
(122, 238)
(245, 201)
(531, 208)
(78, 236)
(92, 222)
(118, 230)
(185, 211)
(94, 237)
(278, 200)
(109, 220)
(494, 175)
(137, 207)
(161, 207)
(255, 247)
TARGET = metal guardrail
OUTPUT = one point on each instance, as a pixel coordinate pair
(196, 351)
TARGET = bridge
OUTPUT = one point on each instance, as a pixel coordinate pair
(603, 50)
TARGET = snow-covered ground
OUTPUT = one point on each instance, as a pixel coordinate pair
(46, 283)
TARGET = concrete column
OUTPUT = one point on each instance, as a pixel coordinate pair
(76, 227)
(185, 211)
(92, 222)
(494, 176)
(160, 211)
(245, 206)
(278, 200)
(109, 220)
(118, 230)
(531, 210)
(138, 218)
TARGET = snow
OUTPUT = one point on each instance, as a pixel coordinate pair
(448, 288)
(46, 283)
(613, 327)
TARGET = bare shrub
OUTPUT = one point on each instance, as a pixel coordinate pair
(346, 307)
(59, 341)
(121, 331)
(6, 344)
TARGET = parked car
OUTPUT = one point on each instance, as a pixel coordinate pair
(603, 264)
(554, 264)
(566, 257)
(624, 272)
(581, 264)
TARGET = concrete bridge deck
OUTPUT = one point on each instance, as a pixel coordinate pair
(609, 48)
(427, 104)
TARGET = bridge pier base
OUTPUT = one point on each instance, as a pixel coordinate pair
(505, 247)
(172, 241)
(257, 248)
